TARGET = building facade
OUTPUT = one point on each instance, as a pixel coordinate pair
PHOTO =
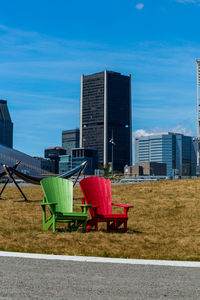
(53, 153)
(77, 157)
(174, 149)
(46, 164)
(70, 140)
(65, 163)
(80, 155)
(146, 169)
(28, 164)
(6, 125)
(105, 117)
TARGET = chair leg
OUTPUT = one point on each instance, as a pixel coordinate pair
(116, 225)
(73, 226)
(108, 226)
(54, 223)
(88, 228)
(96, 226)
(76, 224)
(111, 226)
(90, 224)
(84, 225)
(125, 226)
(43, 215)
(47, 224)
(69, 226)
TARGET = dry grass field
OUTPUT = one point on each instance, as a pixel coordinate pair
(164, 224)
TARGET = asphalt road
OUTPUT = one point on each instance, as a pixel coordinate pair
(25, 278)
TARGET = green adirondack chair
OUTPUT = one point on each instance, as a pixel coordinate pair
(58, 196)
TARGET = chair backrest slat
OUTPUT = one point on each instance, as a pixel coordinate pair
(58, 190)
(97, 191)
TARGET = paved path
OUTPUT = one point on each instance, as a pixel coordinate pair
(28, 278)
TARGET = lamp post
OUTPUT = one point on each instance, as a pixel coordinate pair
(112, 144)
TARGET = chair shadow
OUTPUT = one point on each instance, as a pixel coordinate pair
(134, 231)
(129, 231)
(22, 200)
(28, 201)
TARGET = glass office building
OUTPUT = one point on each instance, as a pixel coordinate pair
(174, 149)
(80, 155)
(53, 153)
(28, 165)
(70, 140)
(65, 163)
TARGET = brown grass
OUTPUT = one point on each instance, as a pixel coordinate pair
(164, 224)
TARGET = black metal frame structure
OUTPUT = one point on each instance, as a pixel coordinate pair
(4, 173)
(9, 171)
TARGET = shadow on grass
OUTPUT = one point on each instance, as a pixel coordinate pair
(28, 201)
(129, 231)
(134, 231)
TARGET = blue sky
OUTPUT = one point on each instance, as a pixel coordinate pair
(46, 45)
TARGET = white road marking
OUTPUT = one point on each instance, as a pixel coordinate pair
(189, 264)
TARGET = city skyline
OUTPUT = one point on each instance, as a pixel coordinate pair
(46, 47)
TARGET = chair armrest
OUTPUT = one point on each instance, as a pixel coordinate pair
(122, 205)
(84, 207)
(47, 203)
(94, 207)
(126, 207)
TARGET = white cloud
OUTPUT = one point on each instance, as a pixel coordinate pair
(142, 132)
(183, 130)
(139, 6)
(157, 130)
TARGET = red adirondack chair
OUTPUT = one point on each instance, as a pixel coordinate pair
(97, 192)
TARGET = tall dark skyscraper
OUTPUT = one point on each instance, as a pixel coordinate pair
(105, 116)
(6, 125)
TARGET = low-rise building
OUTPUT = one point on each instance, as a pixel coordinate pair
(79, 155)
(46, 164)
(146, 168)
(65, 163)
(54, 153)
